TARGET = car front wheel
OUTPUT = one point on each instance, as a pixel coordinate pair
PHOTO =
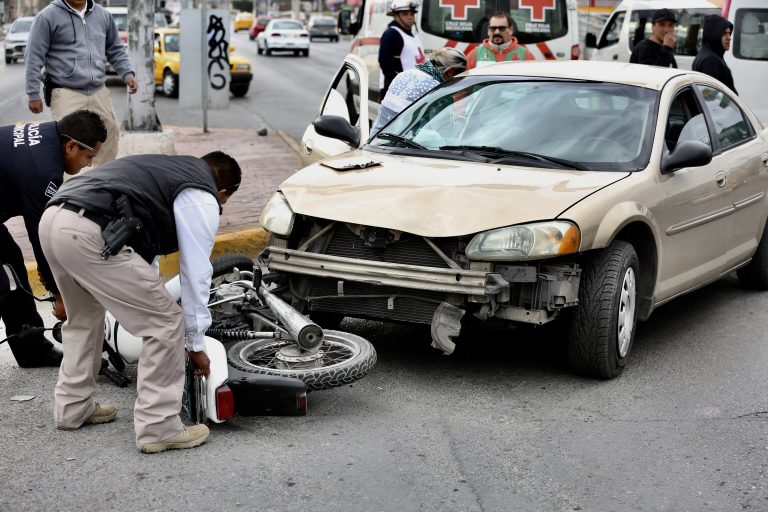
(602, 325)
(170, 84)
(8, 60)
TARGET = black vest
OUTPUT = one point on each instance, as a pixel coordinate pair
(152, 183)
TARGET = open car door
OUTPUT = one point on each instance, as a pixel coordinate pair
(347, 98)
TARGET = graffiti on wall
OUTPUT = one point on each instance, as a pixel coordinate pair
(218, 53)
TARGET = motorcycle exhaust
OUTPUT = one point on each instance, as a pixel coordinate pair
(308, 335)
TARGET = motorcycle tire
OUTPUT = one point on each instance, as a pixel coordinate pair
(345, 358)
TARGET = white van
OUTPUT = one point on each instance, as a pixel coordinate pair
(748, 57)
(630, 23)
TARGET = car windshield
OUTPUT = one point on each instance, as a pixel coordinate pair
(21, 26)
(160, 21)
(286, 25)
(587, 125)
(121, 20)
(324, 22)
(171, 42)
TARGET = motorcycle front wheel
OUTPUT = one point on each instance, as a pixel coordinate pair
(342, 359)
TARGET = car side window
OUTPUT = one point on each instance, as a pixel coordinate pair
(344, 97)
(685, 121)
(731, 127)
(612, 30)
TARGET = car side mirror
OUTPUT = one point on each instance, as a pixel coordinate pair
(336, 127)
(345, 22)
(689, 153)
(591, 40)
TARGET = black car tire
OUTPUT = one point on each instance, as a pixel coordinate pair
(8, 60)
(259, 50)
(754, 276)
(239, 90)
(170, 84)
(361, 358)
(251, 37)
(607, 294)
(306, 53)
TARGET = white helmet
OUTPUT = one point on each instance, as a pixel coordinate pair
(402, 6)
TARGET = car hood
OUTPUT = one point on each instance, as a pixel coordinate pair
(435, 197)
(18, 36)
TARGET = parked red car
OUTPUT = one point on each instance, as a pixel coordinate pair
(257, 26)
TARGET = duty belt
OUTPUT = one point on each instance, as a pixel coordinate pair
(100, 220)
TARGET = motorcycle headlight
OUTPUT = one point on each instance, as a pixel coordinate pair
(277, 217)
(525, 242)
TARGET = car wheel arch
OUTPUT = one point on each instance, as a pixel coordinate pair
(630, 222)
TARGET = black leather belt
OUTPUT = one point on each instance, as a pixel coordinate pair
(100, 220)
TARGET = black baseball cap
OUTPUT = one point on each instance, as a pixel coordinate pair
(663, 14)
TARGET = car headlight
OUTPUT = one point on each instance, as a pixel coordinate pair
(277, 217)
(243, 67)
(526, 242)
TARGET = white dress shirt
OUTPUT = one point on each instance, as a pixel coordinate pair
(197, 220)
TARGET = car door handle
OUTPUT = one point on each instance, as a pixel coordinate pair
(721, 179)
(764, 158)
(615, 57)
(308, 147)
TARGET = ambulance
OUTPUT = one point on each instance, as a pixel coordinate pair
(548, 28)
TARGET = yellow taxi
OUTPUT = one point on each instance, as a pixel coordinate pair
(243, 21)
(168, 65)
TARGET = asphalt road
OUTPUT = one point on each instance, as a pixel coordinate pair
(499, 425)
(285, 93)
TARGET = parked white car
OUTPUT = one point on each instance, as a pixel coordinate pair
(283, 35)
(16, 41)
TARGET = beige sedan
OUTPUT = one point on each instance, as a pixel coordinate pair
(526, 192)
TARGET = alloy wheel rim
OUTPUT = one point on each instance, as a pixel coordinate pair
(627, 307)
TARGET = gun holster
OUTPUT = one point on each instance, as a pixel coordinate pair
(48, 87)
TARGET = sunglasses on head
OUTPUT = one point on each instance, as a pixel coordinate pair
(81, 144)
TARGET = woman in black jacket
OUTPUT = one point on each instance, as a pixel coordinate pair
(716, 41)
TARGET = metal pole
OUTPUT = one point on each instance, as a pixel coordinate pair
(205, 65)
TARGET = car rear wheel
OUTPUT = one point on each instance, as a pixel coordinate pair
(251, 37)
(170, 84)
(602, 325)
(754, 276)
(267, 50)
(8, 60)
(239, 90)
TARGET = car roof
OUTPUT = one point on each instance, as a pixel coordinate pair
(23, 18)
(651, 77)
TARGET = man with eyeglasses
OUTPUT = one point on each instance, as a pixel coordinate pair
(501, 45)
(164, 204)
(35, 157)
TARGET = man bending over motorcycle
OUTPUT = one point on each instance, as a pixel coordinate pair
(101, 233)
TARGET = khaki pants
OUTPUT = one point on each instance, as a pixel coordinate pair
(65, 101)
(133, 292)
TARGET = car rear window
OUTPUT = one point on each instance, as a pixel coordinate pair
(326, 22)
(287, 25)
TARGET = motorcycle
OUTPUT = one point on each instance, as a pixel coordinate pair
(265, 356)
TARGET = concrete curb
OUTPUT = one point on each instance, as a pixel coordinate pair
(248, 241)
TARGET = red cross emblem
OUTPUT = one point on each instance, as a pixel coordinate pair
(459, 7)
(537, 8)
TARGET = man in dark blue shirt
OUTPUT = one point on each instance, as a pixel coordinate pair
(35, 158)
